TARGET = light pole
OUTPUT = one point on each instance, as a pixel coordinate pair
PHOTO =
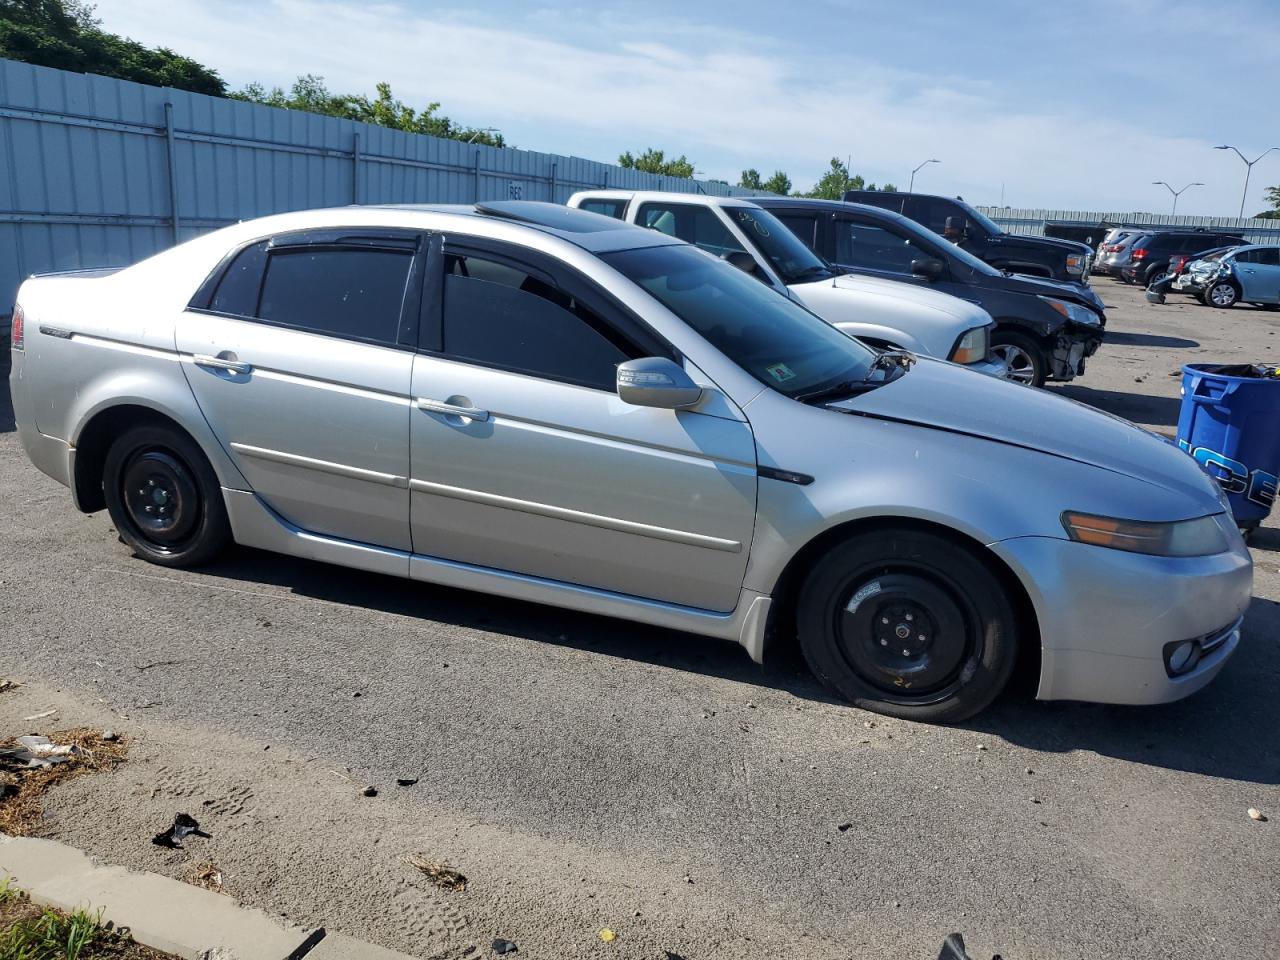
(912, 182)
(1248, 169)
(1176, 193)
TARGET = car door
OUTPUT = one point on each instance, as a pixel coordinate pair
(524, 459)
(1259, 273)
(867, 246)
(300, 355)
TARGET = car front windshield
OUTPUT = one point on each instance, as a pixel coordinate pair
(772, 337)
(786, 253)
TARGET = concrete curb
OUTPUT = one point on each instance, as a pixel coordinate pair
(167, 914)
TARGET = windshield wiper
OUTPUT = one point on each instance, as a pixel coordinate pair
(887, 361)
(810, 271)
(837, 391)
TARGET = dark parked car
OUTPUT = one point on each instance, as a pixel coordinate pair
(1151, 255)
(1044, 329)
(982, 237)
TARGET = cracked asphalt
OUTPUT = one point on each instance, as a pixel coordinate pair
(738, 810)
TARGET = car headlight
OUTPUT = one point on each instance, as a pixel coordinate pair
(1075, 312)
(1076, 262)
(973, 346)
(1180, 538)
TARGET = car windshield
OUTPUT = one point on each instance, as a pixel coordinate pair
(772, 337)
(786, 253)
(987, 223)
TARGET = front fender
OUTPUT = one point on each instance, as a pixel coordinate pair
(879, 332)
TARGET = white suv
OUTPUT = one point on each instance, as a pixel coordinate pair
(884, 313)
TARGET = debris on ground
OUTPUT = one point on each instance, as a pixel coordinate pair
(441, 874)
(369, 792)
(184, 825)
(8, 684)
(207, 876)
(406, 781)
(110, 736)
(1256, 814)
(844, 826)
(31, 765)
(40, 716)
(504, 946)
(607, 935)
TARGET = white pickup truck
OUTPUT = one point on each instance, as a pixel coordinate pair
(884, 313)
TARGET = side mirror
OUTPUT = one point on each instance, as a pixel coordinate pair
(742, 260)
(931, 268)
(656, 382)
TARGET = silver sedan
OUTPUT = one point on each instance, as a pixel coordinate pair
(546, 404)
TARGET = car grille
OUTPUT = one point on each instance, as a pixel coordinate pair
(1212, 641)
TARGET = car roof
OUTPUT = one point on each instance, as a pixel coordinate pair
(848, 206)
(644, 196)
(590, 231)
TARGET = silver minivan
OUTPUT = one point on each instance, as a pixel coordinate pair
(538, 402)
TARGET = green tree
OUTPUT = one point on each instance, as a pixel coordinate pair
(310, 94)
(779, 183)
(655, 161)
(65, 34)
(751, 180)
(1272, 196)
(833, 184)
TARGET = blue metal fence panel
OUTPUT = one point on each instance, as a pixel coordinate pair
(1017, 220)
(102, 172)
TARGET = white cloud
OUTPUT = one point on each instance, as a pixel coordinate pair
(724, 98)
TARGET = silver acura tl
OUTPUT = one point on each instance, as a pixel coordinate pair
(543, 403)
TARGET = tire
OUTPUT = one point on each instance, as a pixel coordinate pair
(1154, 273)
(1223, 294)
(874, 591)
(1016, 347)
(164, 498)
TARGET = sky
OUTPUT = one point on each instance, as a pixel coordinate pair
(1075, 104)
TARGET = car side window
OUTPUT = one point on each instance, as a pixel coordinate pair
(1248, 256)
(869, 245)
(351, 292)
(238, 290)
(690, 223)
(1269, 256)
(610, 208)
(497, 314)
(932, 212)
(804, 226)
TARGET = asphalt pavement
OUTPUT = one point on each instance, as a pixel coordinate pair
(685, 781)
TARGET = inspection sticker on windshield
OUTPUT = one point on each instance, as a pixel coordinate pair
(780, 372)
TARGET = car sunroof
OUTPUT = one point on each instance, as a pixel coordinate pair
(550, 215)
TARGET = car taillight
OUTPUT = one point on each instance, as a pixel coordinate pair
(17, 332)
(1139, 254)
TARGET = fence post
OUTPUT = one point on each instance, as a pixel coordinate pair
(355, 167)
(553, 183)
(171, 161)
(477, 175)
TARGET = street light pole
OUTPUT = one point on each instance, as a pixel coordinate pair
(1248, 169)
(1176, 193)
(912, 182)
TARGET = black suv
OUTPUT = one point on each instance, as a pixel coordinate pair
(1044, 329)
(1150, 254)
(960, 223)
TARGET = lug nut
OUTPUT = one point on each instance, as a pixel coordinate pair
(920, 637)
(906, 653)
(884, 643)
(910, 616)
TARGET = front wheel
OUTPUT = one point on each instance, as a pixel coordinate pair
(908, 624)
(164, 497)
(1222, 294)
(1023, 358)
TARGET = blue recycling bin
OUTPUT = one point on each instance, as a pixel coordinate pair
(1230, 423)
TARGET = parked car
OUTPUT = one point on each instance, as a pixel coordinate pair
(1044, 329)
(880, 312)
(1112, 242)
(1188, 274)
(1115, 255)
(980, 235)
(1149, 256)
(1243, 274)
(541, 403)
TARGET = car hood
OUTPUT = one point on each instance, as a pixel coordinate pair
(909, 294)
(1037, 286)
(943, 396)
(1066, 245)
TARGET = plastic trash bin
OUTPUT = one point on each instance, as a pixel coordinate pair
(1230, 423)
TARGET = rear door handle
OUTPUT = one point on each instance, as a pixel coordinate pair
(452, 410)
(235, 366)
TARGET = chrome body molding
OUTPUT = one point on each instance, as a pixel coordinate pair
(324, 466)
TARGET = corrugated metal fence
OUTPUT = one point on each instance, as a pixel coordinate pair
(100, 172)
(1034, 221)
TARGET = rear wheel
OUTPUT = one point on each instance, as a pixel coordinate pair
(1222, 294)
(908, 624)
(164, 498)
(1023, 358)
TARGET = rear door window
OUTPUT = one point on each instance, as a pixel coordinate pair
(610, 208)
(693, 224)
(804, 226)
(932, 212)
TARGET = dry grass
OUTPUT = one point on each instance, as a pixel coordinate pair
(441, 874)
(208, 876)
(20, 812)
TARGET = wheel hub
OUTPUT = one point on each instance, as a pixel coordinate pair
(160, 496)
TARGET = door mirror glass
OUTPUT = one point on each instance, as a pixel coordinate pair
(656, 382)
(930, 268)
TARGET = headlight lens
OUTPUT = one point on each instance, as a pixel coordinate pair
(1180, 538)
(1075, 312)
(973, 346)
(1076, 262)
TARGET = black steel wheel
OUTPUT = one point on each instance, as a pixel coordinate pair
(908, 623)
(163, 497)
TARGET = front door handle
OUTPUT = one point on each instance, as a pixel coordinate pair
(452, 410)
(235, 366)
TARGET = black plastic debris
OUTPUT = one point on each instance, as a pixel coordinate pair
(504, 946)
(406, 781)
(953, 949)
(184, 825)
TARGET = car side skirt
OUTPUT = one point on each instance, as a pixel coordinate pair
(254, 524)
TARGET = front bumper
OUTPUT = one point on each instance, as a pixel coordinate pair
(1106, 615)
(1070, 348)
